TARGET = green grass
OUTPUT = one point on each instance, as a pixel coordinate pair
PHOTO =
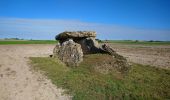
(139, 42)
(84, 83)
(5, 42)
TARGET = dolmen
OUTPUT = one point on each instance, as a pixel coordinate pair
(74, 45)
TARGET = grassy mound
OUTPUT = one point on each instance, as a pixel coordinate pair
(104, 63)
(85, 83)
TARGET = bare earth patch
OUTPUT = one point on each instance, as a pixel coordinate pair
(155, 55)
(18, 82)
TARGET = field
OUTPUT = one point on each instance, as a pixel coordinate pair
(20, 77)
(6, 42)
(154, 55)
(139, 42)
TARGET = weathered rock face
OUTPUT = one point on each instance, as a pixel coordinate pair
(89, 45)
(69, 52)
(75, 35)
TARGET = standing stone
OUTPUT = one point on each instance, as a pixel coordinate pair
(69, 52)
(56, 50)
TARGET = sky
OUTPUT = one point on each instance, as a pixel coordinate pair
(111, 19)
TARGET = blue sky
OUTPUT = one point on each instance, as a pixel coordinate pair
(111, 19)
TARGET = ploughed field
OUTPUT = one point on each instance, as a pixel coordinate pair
(154, 55)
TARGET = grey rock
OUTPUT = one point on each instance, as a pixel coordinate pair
(89, 45)
(75, 34)
(56, 50)
(69, 52)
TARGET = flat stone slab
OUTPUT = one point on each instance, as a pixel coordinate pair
(75, 34)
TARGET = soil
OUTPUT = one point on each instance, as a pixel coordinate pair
(18, 81)
(155, 55)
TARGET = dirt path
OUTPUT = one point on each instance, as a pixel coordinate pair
(18, 82)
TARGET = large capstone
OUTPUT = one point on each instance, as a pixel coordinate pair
(69, 52)
(75, 35)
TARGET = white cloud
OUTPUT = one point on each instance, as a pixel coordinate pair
(48, 28)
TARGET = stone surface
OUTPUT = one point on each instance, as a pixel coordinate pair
(89, 45)
(75, 34)
(69, 52)
(56, 50)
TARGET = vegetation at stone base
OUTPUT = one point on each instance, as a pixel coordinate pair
(2, 42)
(151, 42)
(84, 83)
